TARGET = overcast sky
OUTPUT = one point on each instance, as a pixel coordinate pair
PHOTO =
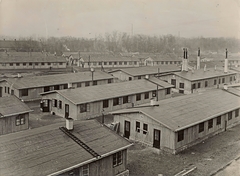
(89, 18)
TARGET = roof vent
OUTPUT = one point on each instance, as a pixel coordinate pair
(147, 76)
(69, 123)
(153, 102)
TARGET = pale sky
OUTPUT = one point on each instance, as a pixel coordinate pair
(89, 18)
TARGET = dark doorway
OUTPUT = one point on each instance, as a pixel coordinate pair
(225, 126)
(173, 82)
(156, 138)
(127, 129)
(44, 104)
(66, 110)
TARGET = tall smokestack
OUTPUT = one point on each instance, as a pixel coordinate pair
(226, 62)
(186, 60)
(198, 59)
(183, 60)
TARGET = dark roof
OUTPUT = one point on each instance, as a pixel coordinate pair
(182, 112)
(57, 79)
(47, 150)
(148, 70)
(106, 91)
(11, 105)
(201, 74)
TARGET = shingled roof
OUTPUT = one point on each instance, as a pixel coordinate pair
(11, 105)
(49, 151)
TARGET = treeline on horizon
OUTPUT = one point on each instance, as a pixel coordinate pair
(116, 42)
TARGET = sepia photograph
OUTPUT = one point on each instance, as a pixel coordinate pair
(119, 88)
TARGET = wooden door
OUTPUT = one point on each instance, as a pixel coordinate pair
(156, 138)
(127, 129)
(66, 110)
(45, 105)
(173, 82)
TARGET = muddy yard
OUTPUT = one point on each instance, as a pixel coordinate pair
(208, 156)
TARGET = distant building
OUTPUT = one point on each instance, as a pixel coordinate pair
(189, 81)
(92, 101)
(30, 60)
(168, 59)
(128, 74)
(30, 87)
(176, 124)
(101, 60)
(19, 45)
(14, 115)
(89, 148)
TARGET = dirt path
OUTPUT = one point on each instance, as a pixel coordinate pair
(208, 156)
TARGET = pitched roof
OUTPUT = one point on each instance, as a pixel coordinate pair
(57, 79)
(11, 105)
(33, 58)
(106, 91)
(160, 82)
(189, 110)
(149, 70)
(47, 150)
(201, 74)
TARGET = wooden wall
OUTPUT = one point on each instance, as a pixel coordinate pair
(8, 124)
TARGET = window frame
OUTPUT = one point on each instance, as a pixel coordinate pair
(117, 159)
(180, 135)
(145, 128)
(146, 95)
(201, 127)
(236, 113)
(230, 115)
(138, 97)
(138, 126)
(218, 120)
(105, 103)
(210, 123)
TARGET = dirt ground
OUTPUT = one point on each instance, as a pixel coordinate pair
(208, 156)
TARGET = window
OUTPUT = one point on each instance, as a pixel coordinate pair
(120, 63)
(30, 63)
(60, 104)
(12, 92)
(56, 87)
(20, 120)
(36, 63)
(210, 123)
(65, 86)
(130, 63)
(154, 93)
(180, 135)
(115, 101)
(166, 62)
(46, 89)
(135, 62)
(138, 97)
(219, 81)
(218, 120)
(84, 108)
(105, 63)
(199, 85)
(87, 84)
(139, 77)
(60, 63)
(117, 159)
(146, 95)
(115, 63)
(223, 80)
(5, 89)
(17, 64)
(201, 127)
(78, 84)
(11, 64)
(236, 112)
(193, 86)
(181, 85)
(109, 81)
(105, 103)
(24, 92)
(125, 63)
(110, 63)
(162, 62)
(138, 127)
(206, 83)
(170, 62)
(24, 64)
(42, 63)
(49, 63)
(230, 79)
(8, 90)
(54, 103)
(130, 78)
(168, 91)
(125, 99)
(229, 115)
(99, 63)
(215, 81)
(94, 83)
(85, 170)
(145, 128)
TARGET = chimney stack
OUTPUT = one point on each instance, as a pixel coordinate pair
(226, 62)
(198, 59)
(205, 67)
(69, 123)
(184, 61)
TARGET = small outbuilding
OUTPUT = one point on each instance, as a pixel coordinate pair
(14, 115)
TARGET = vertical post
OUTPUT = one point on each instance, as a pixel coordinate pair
(103, 116)
(157, 85)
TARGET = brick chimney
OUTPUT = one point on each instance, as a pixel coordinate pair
(226, 63)
(198, 59)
